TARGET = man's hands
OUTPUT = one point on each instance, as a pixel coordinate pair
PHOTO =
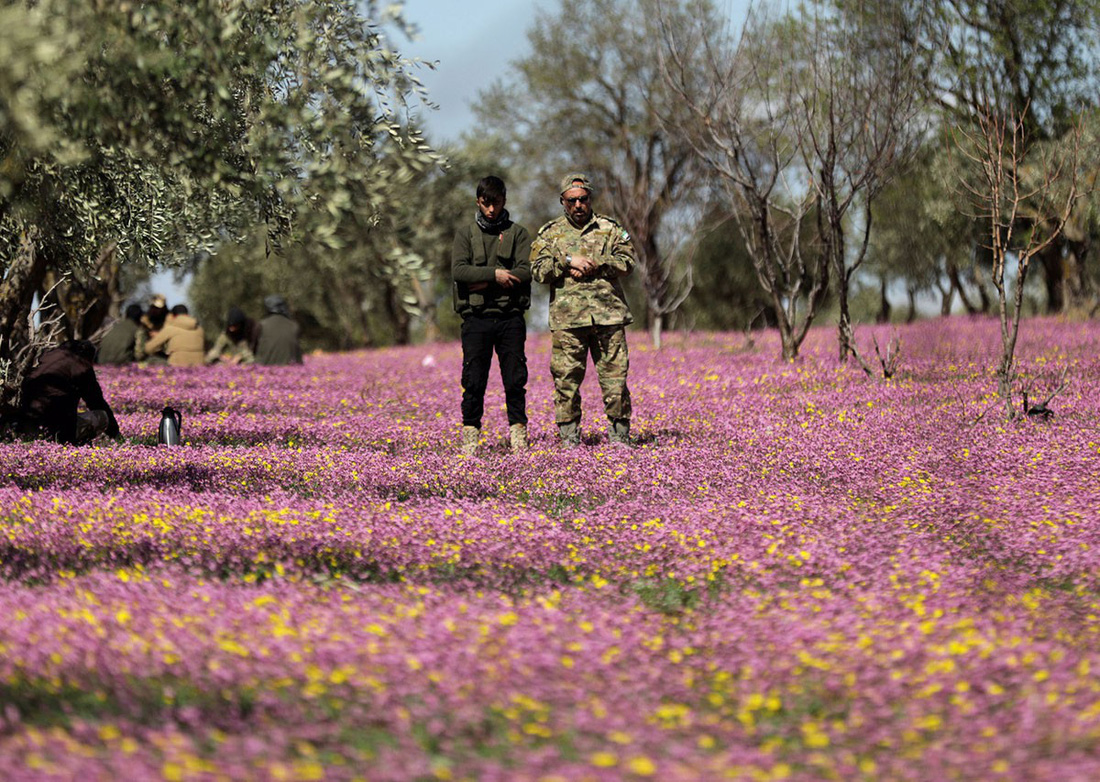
(581, 266)
(504, 279)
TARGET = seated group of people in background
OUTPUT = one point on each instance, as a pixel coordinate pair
(52, 392)
(173, 337)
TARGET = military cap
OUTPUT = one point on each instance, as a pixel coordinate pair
(576, 179)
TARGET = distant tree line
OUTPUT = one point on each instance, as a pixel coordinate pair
(828, 157)
(811, 163)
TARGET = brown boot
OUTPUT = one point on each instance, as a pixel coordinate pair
(517, 434)
(471, 435)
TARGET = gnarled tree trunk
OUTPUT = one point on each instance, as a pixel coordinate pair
(85, 301)
(18, 351)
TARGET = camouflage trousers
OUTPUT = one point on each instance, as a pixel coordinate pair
(569, 360)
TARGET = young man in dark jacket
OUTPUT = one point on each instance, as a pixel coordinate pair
(237, 344)
(279, 335)
(119, 343)
(491, 267)
(52, 391)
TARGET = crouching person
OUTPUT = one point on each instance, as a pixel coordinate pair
(490, 264)
(237, 343)
(52, 391)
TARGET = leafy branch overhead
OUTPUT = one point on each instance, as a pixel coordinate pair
(190, 120)
(170, 128)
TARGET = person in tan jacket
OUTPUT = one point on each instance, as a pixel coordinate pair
(182, 338)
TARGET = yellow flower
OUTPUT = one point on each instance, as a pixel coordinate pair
(642, 766)
(604, 759)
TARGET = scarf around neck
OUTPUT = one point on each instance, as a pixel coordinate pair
(495, 226)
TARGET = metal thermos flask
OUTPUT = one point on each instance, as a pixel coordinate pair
(170, 422)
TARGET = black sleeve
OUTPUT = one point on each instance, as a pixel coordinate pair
(92, 395)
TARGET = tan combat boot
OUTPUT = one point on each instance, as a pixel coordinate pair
(471, 435)
(517, 434)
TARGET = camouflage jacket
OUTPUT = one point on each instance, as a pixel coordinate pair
(597, 300)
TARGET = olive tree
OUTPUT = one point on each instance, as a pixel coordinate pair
(180, 125)
(383, 281)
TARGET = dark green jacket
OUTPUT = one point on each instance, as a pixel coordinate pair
(118, 343)
(278, 342)
(475, 257)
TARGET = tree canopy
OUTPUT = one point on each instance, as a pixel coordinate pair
(183, 124)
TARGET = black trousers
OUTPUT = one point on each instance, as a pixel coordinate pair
(480, 337)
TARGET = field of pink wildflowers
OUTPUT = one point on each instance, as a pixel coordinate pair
(799, 573)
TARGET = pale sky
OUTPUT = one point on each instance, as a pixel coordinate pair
(473, 44)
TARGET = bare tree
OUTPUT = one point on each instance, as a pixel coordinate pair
(858, 95)
(20, 283)
(743, 129)
(590, 96)
(25, 330)
(888, 359)
(1025, 194)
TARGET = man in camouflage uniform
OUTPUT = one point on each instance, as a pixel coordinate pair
(582, 257)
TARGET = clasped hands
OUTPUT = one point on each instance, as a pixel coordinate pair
(581, 266)
(504, 279)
